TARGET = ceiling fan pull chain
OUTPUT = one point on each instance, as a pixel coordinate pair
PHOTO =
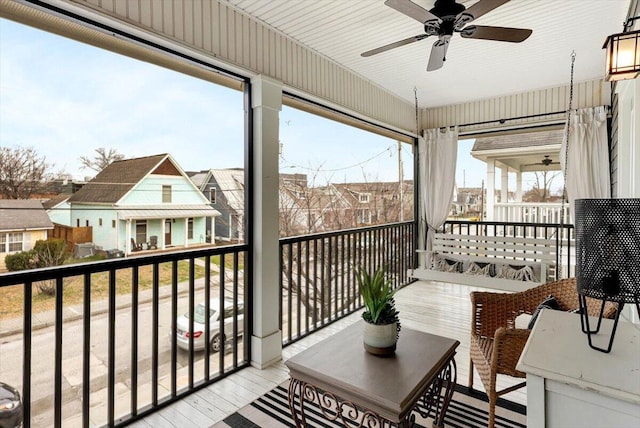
(567, 132)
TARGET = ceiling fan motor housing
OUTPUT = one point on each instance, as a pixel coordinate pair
(445, 8)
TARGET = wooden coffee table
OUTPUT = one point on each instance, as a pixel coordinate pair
(360, 389)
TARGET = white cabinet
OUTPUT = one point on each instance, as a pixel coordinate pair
(571, 385)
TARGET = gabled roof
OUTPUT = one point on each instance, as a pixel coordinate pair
(199, 178)
(23, 214)
(55, 201)
(113, 182)
(231, 182)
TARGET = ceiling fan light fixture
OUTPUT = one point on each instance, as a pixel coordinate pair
(623, 56)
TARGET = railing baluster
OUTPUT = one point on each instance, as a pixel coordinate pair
(207, 311)
(298, 287)
(281, 285)
(192, 303)
(289, 290)
(86, 349)
(58, 355)
(235, 310)
(323, 267)
(154, 333)
(315, 284)
(26, 353)
(221, 334)
(134, 340)
(174, 335)
(329, 276)
(111, 374)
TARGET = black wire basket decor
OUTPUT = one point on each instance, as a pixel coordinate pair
(607, 255)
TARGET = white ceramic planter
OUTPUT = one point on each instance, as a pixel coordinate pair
(379, 339)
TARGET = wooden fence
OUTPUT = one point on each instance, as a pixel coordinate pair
(72, 235)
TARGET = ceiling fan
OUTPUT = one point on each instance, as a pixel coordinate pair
(546, 161)
(447, 17)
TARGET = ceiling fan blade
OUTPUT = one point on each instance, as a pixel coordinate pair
(412, 10)
(394, 45)
(501, 34)
(438, 54)
(483, 6)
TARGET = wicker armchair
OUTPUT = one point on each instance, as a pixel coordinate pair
(496, 344)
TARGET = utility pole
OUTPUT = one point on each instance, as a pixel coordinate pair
(401, 180)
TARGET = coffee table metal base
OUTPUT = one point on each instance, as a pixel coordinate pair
(350, 414)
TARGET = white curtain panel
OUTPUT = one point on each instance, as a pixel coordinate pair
(587, 157)
(438, 152)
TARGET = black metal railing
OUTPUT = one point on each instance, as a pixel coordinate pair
(110, 334)
(562, 234)
(318, 282)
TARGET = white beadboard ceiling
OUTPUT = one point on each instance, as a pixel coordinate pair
(475, 69)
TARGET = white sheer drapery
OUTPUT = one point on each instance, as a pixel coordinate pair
(587, 157)
(437, 152)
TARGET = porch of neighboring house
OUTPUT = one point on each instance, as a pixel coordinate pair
(536, 153)
(162, 229)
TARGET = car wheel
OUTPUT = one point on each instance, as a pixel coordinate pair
(216, 343)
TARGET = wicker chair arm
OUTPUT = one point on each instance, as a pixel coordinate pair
(508, 345)
(491, 311)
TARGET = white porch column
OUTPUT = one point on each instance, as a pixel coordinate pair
(491, 188)
(504, 186)
(162, 234)
(266, 342)
(186, 232)
(519, 186)
(127, 242)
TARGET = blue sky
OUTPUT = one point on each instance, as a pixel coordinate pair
(66, 99)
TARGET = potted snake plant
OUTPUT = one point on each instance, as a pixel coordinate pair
(382, 325)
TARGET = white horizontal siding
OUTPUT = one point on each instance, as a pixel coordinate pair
(544, 102)
(230, 36)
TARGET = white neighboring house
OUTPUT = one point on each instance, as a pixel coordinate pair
(58, 209)
(22, 223)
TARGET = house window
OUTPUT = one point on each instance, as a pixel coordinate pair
(141, 231)
(364, 197)
(166, 194)
(364, 216)
(99, 222)
(77, 222)
(190, 228)
(11, 242)
(86, 223)
(212, 195)
(113, 224)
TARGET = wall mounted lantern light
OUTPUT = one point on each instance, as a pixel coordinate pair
(623, 54)
(607, 257)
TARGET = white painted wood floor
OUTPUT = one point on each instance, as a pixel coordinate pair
(433, 307)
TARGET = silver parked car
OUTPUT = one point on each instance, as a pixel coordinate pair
(216, 340)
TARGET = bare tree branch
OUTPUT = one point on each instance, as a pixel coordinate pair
(22, 172)
(102, 159)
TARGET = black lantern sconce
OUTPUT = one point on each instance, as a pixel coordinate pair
(623, 54)
(607, 257)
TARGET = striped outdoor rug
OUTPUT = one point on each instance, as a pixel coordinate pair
(465, 411)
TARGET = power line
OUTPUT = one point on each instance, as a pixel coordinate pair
(293, 165)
